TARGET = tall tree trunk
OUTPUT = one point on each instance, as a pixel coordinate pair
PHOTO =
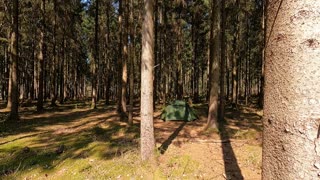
(212, 121)
(62, 70)
(234, 68)
(222, 62)
(108, 78)
(41, 58)
(178, 51)
(155, 81)
(14, 57)
(147, 64)
(35, 71)
(65, 70)
(227, 69)
(161, 54)
(179, 60)
(264, 28)
(165, 54)
(54, 66)
(132, 60)
(195, 78)
(95, 58)
(124, 81)
(291, 143)
(234, 73)
(247, 59)
(119, 68)
(5, 74)
(12, 40)
(121, 65)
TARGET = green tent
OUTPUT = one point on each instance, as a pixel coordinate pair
(178, 110)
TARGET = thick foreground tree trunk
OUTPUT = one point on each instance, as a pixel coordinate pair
(147, 64)
(291, 143)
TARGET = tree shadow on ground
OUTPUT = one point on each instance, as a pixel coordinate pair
(168, 131)
(244, 119)
(31, 121)
(163, 148)
(241, 123)
(232, 169)
(86, 134)
(229, 132)
(44, 151)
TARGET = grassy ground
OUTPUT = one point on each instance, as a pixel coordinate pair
(72, 141)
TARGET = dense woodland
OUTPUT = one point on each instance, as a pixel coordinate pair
(75, 49)
(124, 51)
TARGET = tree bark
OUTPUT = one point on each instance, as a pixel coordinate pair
(235, 48)
(41, 58)
(155, 81)
(264, 19)
(107, 47)
(195, 74)
(95, 58)
(247, 59)
(14, 57)
(291, 144)
(132, 60)
(9, 103)
(178, 50)
(222, 62)
(121, 108)
(62, 71)
(4, 74)
(147, 64)
(54, 55)
(227, 69)
(124, 81)
(214, 73)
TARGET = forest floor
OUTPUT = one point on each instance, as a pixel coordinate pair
(72, 141)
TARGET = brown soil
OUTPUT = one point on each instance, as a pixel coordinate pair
(234, 153)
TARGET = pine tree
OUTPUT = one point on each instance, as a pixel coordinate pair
(291, 143)
(147, 64)
(214, 72)
(13, 99)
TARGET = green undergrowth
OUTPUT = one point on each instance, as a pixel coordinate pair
(90, 163)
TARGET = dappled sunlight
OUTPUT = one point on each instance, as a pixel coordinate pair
(75, 130)
(234, 150)
(82, 142)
